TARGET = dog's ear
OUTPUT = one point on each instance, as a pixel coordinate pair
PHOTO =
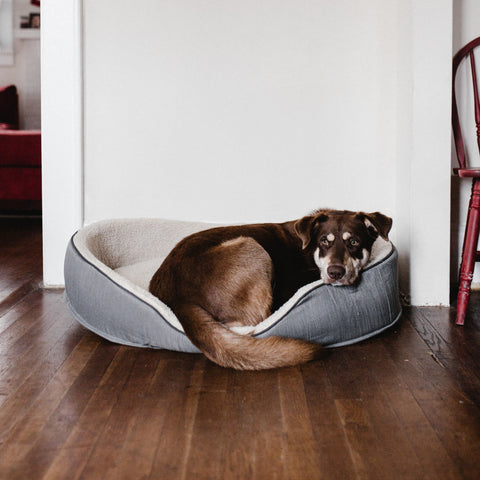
(305, 226)
(378, 224)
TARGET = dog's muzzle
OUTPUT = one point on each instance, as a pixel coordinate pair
(336, 272)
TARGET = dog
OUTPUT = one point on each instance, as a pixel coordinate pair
(234, 276)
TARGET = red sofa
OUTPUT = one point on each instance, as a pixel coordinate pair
(8, 108)
(20, 159)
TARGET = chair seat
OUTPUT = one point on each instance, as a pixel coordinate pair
(467, 172)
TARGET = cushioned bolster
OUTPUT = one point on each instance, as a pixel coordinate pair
(335, 316)
(112, 312)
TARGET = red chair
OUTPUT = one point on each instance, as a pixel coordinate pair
(470, 254)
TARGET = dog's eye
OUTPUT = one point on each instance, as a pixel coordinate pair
(324, 241)
(353, 242)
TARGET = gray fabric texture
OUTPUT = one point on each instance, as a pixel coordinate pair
(121, 310)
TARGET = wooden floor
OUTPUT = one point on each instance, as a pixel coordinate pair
(404, 405)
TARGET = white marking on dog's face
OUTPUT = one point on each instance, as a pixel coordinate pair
(352, 266)
(346, 235)
(322, 264)
(331, 237)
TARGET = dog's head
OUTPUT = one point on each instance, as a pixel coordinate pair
(341, 241)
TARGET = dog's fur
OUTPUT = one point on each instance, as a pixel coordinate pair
(234, 276)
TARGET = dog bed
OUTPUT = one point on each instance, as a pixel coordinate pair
(109, 264)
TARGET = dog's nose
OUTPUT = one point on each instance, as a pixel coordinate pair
(336, 272)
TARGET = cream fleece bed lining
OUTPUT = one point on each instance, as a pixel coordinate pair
(126, 253)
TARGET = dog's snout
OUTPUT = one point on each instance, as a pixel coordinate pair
(336, 272)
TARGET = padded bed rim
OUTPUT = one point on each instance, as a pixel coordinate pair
(307, 290)
(120, 286)
(367, 335)
(108, 336)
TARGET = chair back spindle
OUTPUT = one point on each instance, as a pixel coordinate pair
(475, 97)
(466, 51)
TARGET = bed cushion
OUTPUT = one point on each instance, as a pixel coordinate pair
(108, 266)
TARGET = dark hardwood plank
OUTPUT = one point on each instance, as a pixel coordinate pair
(18, 295)
(300, 458)
(206, 449)
(20, 256)
(403, 405)
(28, 388)
(455, 347)
(22, 325)
(453, 410)
(254, 448)
(137, 372)
(441, 401)
(379, 446)
(160, 401)
(409, 443)
(27, 431)
(334, 455)
(31, 337)
(71, 456)
(12, 313)
(180, 386)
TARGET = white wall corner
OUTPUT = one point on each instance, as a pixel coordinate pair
(62, 131)
(430, 163)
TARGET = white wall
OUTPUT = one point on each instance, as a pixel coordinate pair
(465, 28)
(239, 111)
(264, 110)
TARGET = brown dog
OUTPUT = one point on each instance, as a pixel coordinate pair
(238, 275)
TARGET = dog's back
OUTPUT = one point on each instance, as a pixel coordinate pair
(230, 276)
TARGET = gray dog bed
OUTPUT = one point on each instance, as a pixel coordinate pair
(108, 266)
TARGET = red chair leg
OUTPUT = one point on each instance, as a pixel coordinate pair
(469, 254)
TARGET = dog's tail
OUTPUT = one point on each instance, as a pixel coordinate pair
(242, 352)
